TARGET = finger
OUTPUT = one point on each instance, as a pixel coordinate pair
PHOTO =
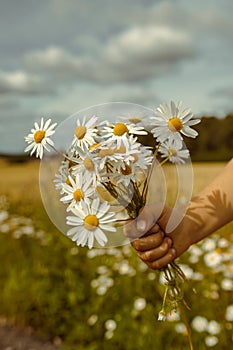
(148, 242)
(147, 218)
(154, 229)
(155, 253)
(142, 224)
(163, 261)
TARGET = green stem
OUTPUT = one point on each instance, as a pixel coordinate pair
(165, 160)
(183, 314)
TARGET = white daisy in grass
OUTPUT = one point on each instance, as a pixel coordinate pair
(90, 222)
(38, 139)
(199, 323)
(171, 122)
(174, 154)
(118, 134)
(77, 190)
(85, 132)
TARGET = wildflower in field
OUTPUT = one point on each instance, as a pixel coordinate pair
(229, 313)
(188, 271)
(173, 316)
(85, 133)
(171, 122)
(227, 284)
(39, 139)
(3, 215)
(181, 328)
(175, 155)
(199, 323)
(92, 320)
(223, 243)
(209, 244)
(89, 222)
(140, 304)
(118, 134)
(110, 325)
(213, 327)
(212, 259)
(211, 340)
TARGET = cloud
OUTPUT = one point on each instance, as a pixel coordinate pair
(146, 51)
(139, 53)
(23, 83)
(55, 60)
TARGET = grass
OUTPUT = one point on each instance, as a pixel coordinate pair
(70, 293)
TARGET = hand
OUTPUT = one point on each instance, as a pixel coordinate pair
(150, 242)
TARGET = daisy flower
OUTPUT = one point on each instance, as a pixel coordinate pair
(199, 323)
(62, 176)
(87, 163)
(89, 222)
(174, 154)
(77, 190)
(85, 133)
(136, 153)
(38, 139)
(118, 133)
(171, 122)
(124, 173)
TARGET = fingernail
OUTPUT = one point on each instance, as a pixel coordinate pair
(141, 225)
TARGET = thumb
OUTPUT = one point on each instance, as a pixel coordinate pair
(148, 217)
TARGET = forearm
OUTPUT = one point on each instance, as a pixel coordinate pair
(212, 208)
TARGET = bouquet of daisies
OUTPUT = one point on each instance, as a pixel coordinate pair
(104, 175)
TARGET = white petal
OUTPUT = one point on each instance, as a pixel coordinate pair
(107, 227)
(90, 240)
(187, 131)
(100, 236)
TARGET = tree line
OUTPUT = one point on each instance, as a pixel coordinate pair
(215, 139)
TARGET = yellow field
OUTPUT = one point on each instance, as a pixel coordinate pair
(19, 181)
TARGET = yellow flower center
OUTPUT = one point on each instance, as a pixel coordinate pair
(175, 124)
(39, 135)
(78, 195)
(172, 152)
(88, 163)
(135, 120)
(120, 129)
(80, 132)
(91, 222)
(106, 152)
(127, 170)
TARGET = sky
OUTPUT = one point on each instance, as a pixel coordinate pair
(60, 56)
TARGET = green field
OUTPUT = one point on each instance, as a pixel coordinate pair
(104, 298)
